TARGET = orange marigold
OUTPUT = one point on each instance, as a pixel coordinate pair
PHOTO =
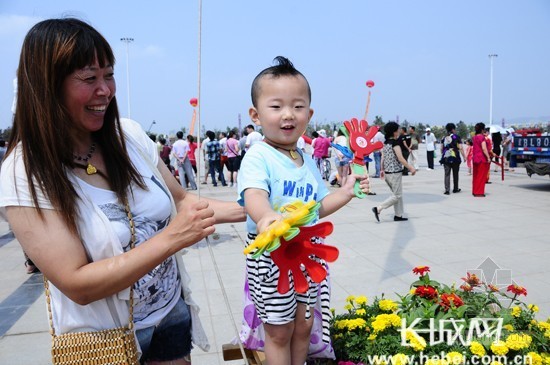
(448, 301)
(517, 290)
(421, 270)
(472, 280)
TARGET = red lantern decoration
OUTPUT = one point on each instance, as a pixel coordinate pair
(370, 83)
(194, 102)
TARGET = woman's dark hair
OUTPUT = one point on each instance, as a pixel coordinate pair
(479, 128)
(162, 140)
(283, 68)
(450, 127)
(390, 128)
(190, 138)
(51, 51)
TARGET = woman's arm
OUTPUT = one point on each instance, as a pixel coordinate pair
(60, 254)
(485, 150)
(401, 159)
(224, 211)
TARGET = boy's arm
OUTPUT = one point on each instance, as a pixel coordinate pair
(259, 209)
(334, 201)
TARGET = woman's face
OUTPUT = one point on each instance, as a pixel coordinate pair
(87, 93)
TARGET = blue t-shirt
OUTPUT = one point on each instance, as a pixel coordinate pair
(264, 167)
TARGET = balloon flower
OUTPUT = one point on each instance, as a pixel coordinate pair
(359, 137)
(370, 84)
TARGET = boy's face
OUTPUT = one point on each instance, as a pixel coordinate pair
(282, 109)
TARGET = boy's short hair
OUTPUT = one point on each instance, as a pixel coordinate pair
(283, 68)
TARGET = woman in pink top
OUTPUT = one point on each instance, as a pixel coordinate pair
(233, 157)
(481, 160)
(191, 153)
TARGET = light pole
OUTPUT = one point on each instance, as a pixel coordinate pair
(151, 126)
(128, 41)
(491, 56)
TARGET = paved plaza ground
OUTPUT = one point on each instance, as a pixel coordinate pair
(507, 232)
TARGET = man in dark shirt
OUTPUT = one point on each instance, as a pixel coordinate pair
(405, 142)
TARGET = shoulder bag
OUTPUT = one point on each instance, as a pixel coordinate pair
(115, 346)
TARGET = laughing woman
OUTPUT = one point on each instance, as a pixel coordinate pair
(74, 176)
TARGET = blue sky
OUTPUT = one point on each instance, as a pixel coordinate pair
(429, 59)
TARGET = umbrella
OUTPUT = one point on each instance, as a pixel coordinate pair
(497, 129)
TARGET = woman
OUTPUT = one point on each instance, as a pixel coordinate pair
(392, 171)
(341, 161)
(67, 199)
(191, 153)
(233, 157)
(451, 149)
(481, 160)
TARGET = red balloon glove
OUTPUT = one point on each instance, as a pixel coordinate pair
(299, 251)
(360, 139)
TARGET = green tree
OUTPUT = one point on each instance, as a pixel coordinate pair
(378, 121)
(462, 130)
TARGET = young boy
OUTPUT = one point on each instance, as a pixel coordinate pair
(274, 173)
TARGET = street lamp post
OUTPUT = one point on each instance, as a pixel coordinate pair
(128, 41)
(491, 57)
(151, 126)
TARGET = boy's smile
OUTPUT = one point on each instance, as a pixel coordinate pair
(282, 110)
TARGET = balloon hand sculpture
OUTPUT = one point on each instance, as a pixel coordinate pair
(289, 242)
(298, 255)
(294, 215)
(359, 139)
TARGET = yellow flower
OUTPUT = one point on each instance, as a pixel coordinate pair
(545, 358)
(477, 348)
(533, 308)
(350, 298)
(387, 305)
(417, 343)
(360, 300)
(496, 363)
(508, 327)
(348, 307)
(356, 323)
(399, 359)
(378, 361)
(454, 358)
(412, 291)
(360, 312)
(372, 337)
(518, 341)
(533, 358)
(499, 348)
(383, 321)
(516, 311)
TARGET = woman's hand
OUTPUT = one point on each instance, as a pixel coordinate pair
(190, 225)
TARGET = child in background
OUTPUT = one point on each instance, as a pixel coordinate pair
(274, 173)
(469, 155)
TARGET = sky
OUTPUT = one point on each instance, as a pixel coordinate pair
(428, 59)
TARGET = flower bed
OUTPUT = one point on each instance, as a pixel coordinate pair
(436, 324)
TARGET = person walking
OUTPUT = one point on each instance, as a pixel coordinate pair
(481, 159)
(392, 172)
(413, 157)
(378, 137)
(451, 149)
(430, 141)
(180, 150)
(405, 143)
(213, 151)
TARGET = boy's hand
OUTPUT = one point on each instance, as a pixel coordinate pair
(266, 220)
(364, 184)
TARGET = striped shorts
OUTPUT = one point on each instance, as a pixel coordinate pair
(271, 306)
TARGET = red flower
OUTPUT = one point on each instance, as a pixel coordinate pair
(472, 280)
(448, 301)
(428, 292)
(421, 270)
(517, 290)
(466, 287)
